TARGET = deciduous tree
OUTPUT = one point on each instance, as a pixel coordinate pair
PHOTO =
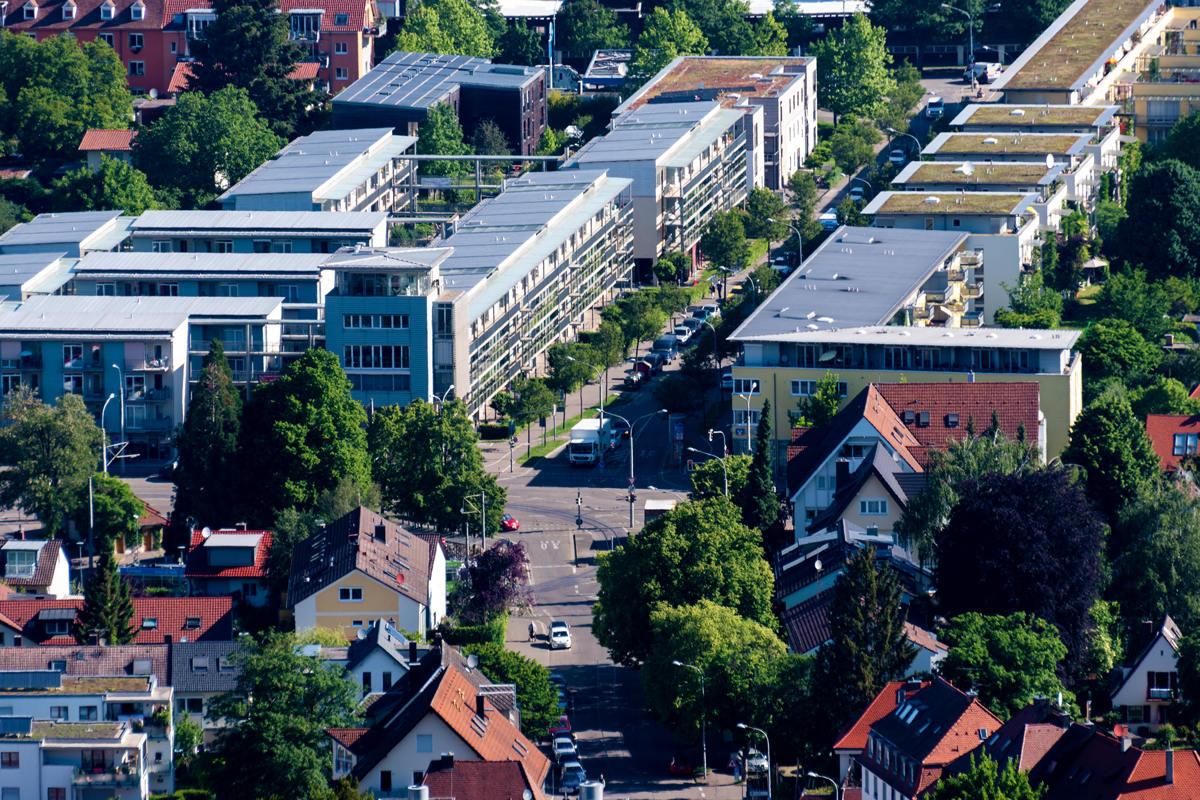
(762, 206)
(454, 27)
(440, 134)
(497, 582)
(986, 781)
(818, 409)
(698, 551)
(519, 44)
(708, 478)
(115, 186)
(852, 69)
(1112, 348)
(115, 510)
(724, 240)
(1162, 229)
(585, 26)
(1154, 551)
(1111, 445)
(107, 605)
(12, 214)
(667, 34)
(1183, 144)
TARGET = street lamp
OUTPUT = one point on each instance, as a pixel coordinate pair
(1000, 53)
(909, 135)
(121, 377)
(104, 435)
(724, 444)
(442, 400)
(867, 183)
(632, 428)
(746, 397)
(746, 727)
(799, 241)
(682, 499)
(812, 774)
(703, 728)
(755, 285)
(599, 380)
(971, 30)
(723, 467)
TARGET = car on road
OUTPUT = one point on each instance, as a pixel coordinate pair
(681, 765)
(782, 265)
(633, 381)
(935, 108)
(684, 334)
(562, 727)
(167, 472)
(564, 749)
(509, 523)
(562, 701)
(898, 156)
(692, 324)
(755, 761)
(572, 775)
(620, 428)
(858, 194)
(984, 72)
(829, 221)
(560, 635)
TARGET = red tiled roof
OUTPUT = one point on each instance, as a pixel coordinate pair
(923, 638)
(15, 174)
(1148, 779)
(171, 614)
(1161, 428)
(100, 139)
(152, 518)
(47, 561)
(1014, 402)
(307, 70)
(161, 13)
(479, 780)
(1024, 738)
(854, 736)
(347, 737)
(197, 563)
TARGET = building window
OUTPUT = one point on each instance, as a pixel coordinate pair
(281, 246)
(20, 564)
(375, 321)
(742, 417)
(138, 11)
(249, 590)
(107, 38)
(137, 40)
(341, 20)
(366, 683)
(375, 356)
(192, 705)
(227, 290)
(341, 73)
(60, 712)
(149, 623)
(192, 624)
(69, 11)
(88, 713)
(160, 246)
(223, 246)
(350, 594)
(424, 743)
(387, 681)
(872, 506)
(13, 760)
(106, 290)
(56, 794)
(804, 388)
(31, 10)
(746, 385)
(58, 627)
(1185, 444)
(137, 68)
(174, 47)
(340, 48)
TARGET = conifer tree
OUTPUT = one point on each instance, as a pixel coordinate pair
(760, 508)
(207, 445)
(107, 605)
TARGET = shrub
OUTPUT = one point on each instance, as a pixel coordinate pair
(494, 630)
(493, 430)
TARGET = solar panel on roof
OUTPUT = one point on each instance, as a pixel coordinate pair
(56, 614)
(16, 726)
(31, 679)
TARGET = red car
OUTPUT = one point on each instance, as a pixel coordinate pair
(563, 726)
(509, 523)
(681, 765)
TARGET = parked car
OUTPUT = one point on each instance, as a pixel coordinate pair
(633, 381)
(858, 194)
(654, 364)
(829, 221)
(572, 776)
(727, 381)
(681, 765)
(509, 523)
(693, 324)
(620, 428)
(683, 334)
(564, 749)
(560, 635)
(983, 71)
(558, 680)
(712, 309)
(562, 727)
(935, 108)
(898, 156)
(756, 761)
(167, 472)
(667, 345)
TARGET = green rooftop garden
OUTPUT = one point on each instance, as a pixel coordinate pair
(1035, 115)
(984, 173)
(950, 203)
(999, 143)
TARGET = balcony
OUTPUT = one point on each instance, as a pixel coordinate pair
(304, 37)
(159, 395)
(955, 275)
(148, 364)
(19, 570)
(971, 320)
(1162, 694)
(160, 424)
(98, 776)
(973, 291)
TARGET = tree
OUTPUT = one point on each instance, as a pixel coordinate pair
(276, 746)
(1183, 144)
(452, 27)
(107, 605)
(849, 212)
(1164, 396)
(206, 472)
(489, 140)
(1114, 348)
(498, 582)
(52, 91)
(906, 93)
(986, 781)
(1162, 229)
(853, 144)
(867, 646)
(345, 497)
(537, 697)
(1155, 555)
(667, 35)
(638, 317)
(1006, 659)
(188, 736)
(699, 551)
(678, 394)
(291, 527)
(585, 26)
(519, 44)
(50, 452)
(114, 186)
(205, 143)
(247, 47)
(799, 26)
(301, 434)
(770, 37)
(708, 478)
(1130, 296)
(1028, 542)
(724, 240)
(743, 662)
(672, 267)
(428, 466)
(760, 506)
(852, 69)
(114, 507)
(1032, 304)
(567, 375)
(12, 214)
(819, 409)
(1111, 445)
(763, 205)
(441, 134)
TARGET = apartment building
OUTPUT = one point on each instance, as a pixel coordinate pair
(519, 273)
(687, 161)
(152, 36)
(400, 90)
(347, 170)
(1164, 84)
(23, 275)
(255, 232)
(785, 89)
(59, 760)
(1097, 120)
(139, 351)
(74, 234)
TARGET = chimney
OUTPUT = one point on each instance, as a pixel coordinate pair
(1170, 766)
(437, 641)
(1040, 704)
(843, 473)
(239, 526)
(447, 760)
(381, 532)
(1066, 719)
(480, 706)
(1169, 341)
(167, 639)
(1126, 743)
(412, 652)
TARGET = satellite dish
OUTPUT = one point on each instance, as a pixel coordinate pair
(472, 661)
(362, 634)
(207, 532)
(526, 795)
(1049, 161)
(968, 168)
(818, 565)
(154, 94)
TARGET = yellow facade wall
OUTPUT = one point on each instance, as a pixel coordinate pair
(1060, 396)
(378, 602)
(874, 489)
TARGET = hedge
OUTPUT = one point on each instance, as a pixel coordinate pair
(495, 630)
(493, 430)
(184, 794)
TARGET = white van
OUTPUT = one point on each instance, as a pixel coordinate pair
(984, 72)
(935, 108)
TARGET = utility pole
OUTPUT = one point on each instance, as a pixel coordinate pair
(91, 527)
(483, 521)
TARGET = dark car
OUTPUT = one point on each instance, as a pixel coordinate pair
(167, 472)
(681, 765)
(634, 381)
(621, 427)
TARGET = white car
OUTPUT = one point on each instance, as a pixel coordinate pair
(564, 749)
(560, 636)
(829, 221)
(898, 156)
(684, 334)
(755, 761)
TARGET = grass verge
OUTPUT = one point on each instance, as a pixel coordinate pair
(554, 436)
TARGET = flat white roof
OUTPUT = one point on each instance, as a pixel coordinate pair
(1016, 338)
(233, 540)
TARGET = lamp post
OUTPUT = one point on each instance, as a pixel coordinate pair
(755, 285)
(104, 435)
(994, 50)
(442, 400)
(799, 240)
(632, 428)
(746, 397)
(599, 380)
(971, 31)
(746, 727)
(866, 183)
(121, 377)
(718, 458)
(812, 774)
(909, 135)
(703, 728)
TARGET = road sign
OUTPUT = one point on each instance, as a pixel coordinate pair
(600, 465)
(631, 483)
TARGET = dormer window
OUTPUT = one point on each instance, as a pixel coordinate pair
(31, 10)
(107, 10)
(69, 10)
(138, 10)
(192, 624)
(341, 20)
(149, 623)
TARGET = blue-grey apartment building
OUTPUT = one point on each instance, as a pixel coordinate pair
(256, 231)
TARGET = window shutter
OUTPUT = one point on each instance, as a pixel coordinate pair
(1124, 713)
(1149, 682)
(1146, 714)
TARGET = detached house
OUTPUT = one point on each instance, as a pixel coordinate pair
(36, 567)
(1174, 437)
(362, 568)
(229, 563)
(852, 739)
(1149, 684)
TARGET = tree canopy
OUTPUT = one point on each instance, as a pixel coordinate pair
(708, 478)
(441, 134)
(1111, 445)
(986, 781)
(452, 27)
(536, 695)
(115, 186)
(760, 506)
(1155, 554)
(114, 508)
(699, 551)
(1112, 348)
(585, 26)
(1183, 143)
(724, 239)
(1026, 542)
(1162, 229)
(666, 35)
(852, 69)
(519, 44)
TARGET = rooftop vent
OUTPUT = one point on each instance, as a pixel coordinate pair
(989, 140)
(1017, 112)
(933, 200)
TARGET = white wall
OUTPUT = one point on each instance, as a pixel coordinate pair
(28, 779)
(60, 585)
(437, 588)
(1161, 657)
(377, 663)
(404, 759)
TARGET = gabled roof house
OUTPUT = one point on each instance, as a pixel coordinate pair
(36, 566)
(229, 563)
(1149, 683)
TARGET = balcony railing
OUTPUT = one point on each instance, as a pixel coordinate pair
(1162, 694)
(973, 291)
(955, 275)
(149, 395)
(104, 777)
(148, 364)
(304, 36)
(160, 424)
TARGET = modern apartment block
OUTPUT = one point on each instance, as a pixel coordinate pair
(73, 235)
(401, 89)
(785, 89)
(1027, 177)
(152, 36)
(1098, 120)
(480, 307)
(1165, 80)
(51, 759)
(142, 351)
(255, 231)
(687, 161)
(349, 170)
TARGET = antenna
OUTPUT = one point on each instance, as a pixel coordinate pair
(362, 634)
(207, 532)
(968, 168)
